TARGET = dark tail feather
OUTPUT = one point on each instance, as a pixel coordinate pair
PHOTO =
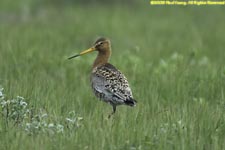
(130, 102)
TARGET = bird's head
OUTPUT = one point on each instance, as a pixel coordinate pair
(102, 45)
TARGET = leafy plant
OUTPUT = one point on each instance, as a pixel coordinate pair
(18, 112)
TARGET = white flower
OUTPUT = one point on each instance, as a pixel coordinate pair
(44, 115)
(20, 97)
(70, 120)
(50, 125)
(1, 94)
(80, 118)
(60, 128)
(22, 103)
(3, 103)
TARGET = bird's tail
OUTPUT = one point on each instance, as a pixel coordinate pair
(130, 102)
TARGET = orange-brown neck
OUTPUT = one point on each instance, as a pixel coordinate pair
(102, 58)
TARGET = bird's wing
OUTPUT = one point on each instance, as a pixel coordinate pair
(108, 80)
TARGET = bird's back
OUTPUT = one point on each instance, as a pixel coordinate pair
(110, 85)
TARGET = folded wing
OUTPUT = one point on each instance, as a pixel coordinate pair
(111, 85)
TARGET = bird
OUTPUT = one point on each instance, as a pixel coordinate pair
(108, 83)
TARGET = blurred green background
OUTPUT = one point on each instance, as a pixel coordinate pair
(173, 57)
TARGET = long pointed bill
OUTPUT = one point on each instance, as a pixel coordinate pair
(84, 52)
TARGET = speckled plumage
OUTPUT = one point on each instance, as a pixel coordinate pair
(108, 83)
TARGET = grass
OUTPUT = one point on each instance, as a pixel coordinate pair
(173, 58)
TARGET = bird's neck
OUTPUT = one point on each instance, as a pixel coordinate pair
(102, 58)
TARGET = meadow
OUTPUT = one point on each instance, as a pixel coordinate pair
(173, 58)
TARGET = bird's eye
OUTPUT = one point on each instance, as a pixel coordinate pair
(100, 43)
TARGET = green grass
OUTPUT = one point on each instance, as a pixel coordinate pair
(173, 58)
